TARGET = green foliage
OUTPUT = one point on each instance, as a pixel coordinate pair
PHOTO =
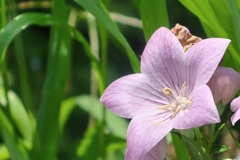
(220, 19)
(46, 140)
(18, 24)
(154, 15)
(180, 149)
(38, 95)
(87, 151)
(99, 11)
(196, 151)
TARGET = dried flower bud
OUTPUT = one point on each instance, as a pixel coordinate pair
(184, 36)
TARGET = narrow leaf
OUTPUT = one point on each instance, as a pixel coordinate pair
(47, 136)
(16, 150)
(18, 24)
(220, 19)
(116, 125)
(96, 8)
(154, 15)
(180, 149)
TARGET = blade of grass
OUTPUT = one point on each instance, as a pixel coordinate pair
(96, 8)
(154, 15)
(18, 24)
(48, 131)
(16, 151)
(180, 149)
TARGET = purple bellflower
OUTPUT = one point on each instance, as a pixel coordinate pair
(224, 84)
(169, 93)
(235, 107)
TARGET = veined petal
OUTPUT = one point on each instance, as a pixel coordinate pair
(224, 84)
(235, 104)
(163, 59)
(144, 132)
(203, 111)
(132, 95)
(203, 59)
(158, 152)
(235, 107)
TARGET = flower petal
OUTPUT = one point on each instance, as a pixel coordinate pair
(203, 59)
(158, 152)
(144, 132)
(224, 84)
(132, 95)
(163, 59)
(235, 107)
(235, 117)
(203, 111)
(235, 104)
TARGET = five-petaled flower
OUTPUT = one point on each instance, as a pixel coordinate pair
(169, 93)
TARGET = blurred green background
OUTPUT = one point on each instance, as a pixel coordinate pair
(34, 42)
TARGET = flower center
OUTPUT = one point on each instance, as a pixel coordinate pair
(177, 102)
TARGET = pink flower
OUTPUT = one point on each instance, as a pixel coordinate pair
(235, 107)
(224, 84)
(169, 93)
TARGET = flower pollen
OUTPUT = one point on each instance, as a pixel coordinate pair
(176, 102)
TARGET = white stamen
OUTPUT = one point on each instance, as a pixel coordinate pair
(176, 102)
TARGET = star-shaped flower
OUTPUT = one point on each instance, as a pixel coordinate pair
(169, 93)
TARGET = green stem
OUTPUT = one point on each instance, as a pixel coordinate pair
(93, 34)
(23, 74)
(233, 136)
(198, 136)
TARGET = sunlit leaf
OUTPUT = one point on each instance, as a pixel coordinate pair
(4, 154)
(221, 149)
(21, 118)
(180, 149)
(117, 125)
(90, 146)
(16, 150)
(154, 15)
(220, 19)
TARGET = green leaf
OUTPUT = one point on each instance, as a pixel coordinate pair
(221, 149)
(116, 125)
(48, 131)
(18, 24)
(89, 148)
(67, 107)
(16, 150)
(154, 15)
(4, 154)
(220, 19)
(24, 123)
(180, 149)
(196, 151)
(91, 105)
(96, 8)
